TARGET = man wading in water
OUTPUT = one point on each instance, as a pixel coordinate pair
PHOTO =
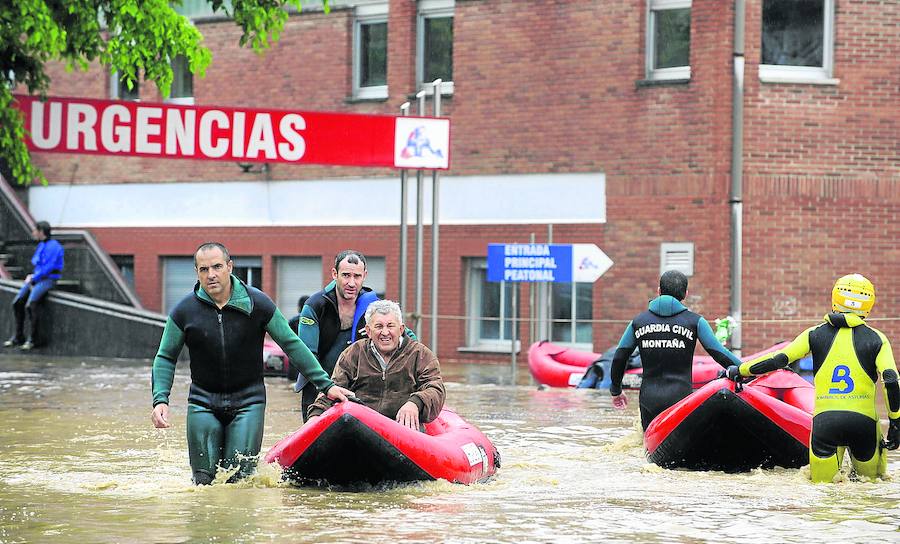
(666, 335)
(223, 322)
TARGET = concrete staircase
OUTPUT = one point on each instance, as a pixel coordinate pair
(92, 311)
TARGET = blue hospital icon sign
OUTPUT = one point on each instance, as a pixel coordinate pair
(422, 142)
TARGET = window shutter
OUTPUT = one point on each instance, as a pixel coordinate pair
(376, 277)
(179, 277)
(677, 256)
(297, 276)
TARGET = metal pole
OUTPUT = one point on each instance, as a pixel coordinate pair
(435, 228)
(532, 323)
(548, 291)
(404, 234)
(512, 334)
(736, 199)
(420, 227)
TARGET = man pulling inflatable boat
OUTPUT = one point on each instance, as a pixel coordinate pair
(849, 357)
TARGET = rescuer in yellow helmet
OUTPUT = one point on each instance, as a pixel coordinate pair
(848, 357)
(853, 294)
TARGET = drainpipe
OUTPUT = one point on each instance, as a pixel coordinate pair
(737, 168)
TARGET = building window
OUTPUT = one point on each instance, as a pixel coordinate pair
(668, 39)
(296, 277)
(302, 276)
(179, 277)
(118, 88)
(489, 306)
(249, 269)
(376, 278)
(797, 41)
(370, 52)
(182, 91)
(125, 264)
(434, 44)
(677, 256)
(200, 9)
(572, 311)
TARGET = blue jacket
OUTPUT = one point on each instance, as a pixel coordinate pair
(47, 261)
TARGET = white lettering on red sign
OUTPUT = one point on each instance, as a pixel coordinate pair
(109, 127)
(178, 131)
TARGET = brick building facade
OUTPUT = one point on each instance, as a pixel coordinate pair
(560, 89)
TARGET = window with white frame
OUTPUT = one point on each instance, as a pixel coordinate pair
(370, 51)
(182, 91)
(118, 88)
(489, 308)
(797, 41)
(434, 44)
(668, 39)
(572, 312)
(198, 9)
(179, 276)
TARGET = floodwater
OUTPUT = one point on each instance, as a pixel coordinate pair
(80, 462)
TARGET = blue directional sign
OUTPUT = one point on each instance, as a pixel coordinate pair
(546, 262)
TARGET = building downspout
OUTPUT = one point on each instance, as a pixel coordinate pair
(737, 168)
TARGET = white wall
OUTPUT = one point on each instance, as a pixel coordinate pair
(539, 198)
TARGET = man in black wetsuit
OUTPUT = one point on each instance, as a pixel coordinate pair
(666, 335)
(223, 322)
(334, 318)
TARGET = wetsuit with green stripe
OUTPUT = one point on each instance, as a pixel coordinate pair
(666, 335)
(227, 397)
(848, 357)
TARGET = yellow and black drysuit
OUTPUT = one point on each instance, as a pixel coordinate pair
(848, 357)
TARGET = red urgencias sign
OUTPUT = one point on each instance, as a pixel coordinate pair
(112, 127)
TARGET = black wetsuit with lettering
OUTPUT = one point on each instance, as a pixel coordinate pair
(666, 335)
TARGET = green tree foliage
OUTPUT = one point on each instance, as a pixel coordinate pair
(136, 38)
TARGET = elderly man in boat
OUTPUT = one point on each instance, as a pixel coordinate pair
(393, 374)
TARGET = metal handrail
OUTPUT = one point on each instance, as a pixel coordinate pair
(21, 214)
(106, 263)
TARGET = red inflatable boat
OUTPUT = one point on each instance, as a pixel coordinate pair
(353, 444)
(734, 428)
(275, 361)
(558, 366)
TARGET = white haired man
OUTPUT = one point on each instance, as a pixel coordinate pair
(389, 372)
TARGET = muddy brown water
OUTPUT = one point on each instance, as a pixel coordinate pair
(80, 462)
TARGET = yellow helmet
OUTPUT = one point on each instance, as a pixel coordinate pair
(853, 294)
